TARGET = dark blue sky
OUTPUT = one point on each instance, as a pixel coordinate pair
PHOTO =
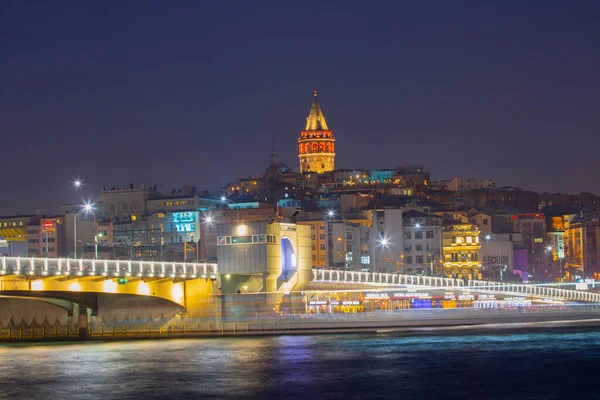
(191, 92)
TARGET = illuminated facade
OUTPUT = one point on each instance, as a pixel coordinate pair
(462, 251)
(582, 250)
(263, 256)
(316, 145)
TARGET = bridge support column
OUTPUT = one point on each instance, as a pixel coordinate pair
(81, 313)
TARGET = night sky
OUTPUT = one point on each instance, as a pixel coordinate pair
(194, 92)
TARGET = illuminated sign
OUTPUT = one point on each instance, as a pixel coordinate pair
(495, 260)
(376, 295)
(184, 227)
(183, 217)
(317, 303)
(351, 302)
(412, 294)
(527, 216)
(48, 224)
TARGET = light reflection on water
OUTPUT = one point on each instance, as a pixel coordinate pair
(525, 365)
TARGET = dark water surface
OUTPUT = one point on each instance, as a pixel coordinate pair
(511, 366)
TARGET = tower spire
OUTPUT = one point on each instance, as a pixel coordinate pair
(316, 145)
(316, 119)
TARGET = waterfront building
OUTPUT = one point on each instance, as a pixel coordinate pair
(316, 144)
(348, 245)
(532, 227)
(46, 236)
(386, 240)
(327, 239)
(497, 256)
(13, 231)
(582, 250)
(422, 244)
(462, 251)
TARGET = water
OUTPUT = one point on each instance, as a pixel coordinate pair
(510, 366)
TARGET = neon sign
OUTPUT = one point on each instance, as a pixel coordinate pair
(183, 217)
(184, 227)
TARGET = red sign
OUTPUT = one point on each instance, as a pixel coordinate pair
(527, 216)
(48, 224)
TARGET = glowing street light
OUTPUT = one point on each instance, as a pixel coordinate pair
(488, 237)
(77, 183)
(87, 207)
(223, 198)
(208, 219)
(331, 213)
(384, 242)
(418, 225)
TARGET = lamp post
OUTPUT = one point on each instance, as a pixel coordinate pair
(86, 208)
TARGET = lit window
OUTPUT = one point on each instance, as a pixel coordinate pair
(133, 217)
(469, 239)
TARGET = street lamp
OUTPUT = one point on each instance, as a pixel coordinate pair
(87, 207)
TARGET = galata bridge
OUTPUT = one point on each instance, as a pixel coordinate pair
(48, 289)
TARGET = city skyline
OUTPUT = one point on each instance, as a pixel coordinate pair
(169, 95)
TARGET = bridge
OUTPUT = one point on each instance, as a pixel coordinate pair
(102, 291)
(337, 277)
(79, 285)
(42, 267)
(39, 274)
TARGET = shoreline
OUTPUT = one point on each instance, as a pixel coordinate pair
(462, 328)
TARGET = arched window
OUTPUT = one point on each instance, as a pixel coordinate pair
(301, 148)
(333, 147)
(307, 148)
(315, 147)
(322, 147)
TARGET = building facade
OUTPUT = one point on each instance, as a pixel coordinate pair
(316, 145)
(462, 251)
(582, 250)
(422, 241)
(46, 237)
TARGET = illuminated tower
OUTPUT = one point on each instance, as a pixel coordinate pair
(316, 145)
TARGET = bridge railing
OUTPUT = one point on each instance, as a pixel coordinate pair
(89, 267)
(341, 276)
(546, 291)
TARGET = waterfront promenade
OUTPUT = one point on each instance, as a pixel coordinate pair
(406, 320)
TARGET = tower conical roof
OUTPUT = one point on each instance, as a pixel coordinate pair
(316, 120)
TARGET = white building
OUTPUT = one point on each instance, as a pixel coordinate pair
(422, 239)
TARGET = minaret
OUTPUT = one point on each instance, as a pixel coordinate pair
(316, 145)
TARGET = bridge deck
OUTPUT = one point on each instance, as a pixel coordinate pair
(33, 266)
